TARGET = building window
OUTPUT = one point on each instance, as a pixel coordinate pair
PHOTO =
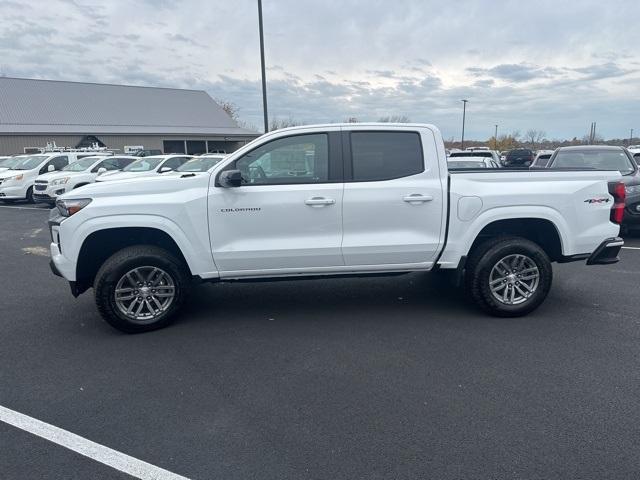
(173, 146)
(196, 147)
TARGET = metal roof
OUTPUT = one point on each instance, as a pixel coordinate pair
(30, 106)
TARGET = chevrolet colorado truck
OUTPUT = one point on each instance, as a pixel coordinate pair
(327, 201)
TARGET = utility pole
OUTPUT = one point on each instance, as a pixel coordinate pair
(495, 139)
(264, 75)
(631, 137)
(464, 114)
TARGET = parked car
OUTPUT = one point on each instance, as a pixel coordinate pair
(201, 163)
(146, 166)
(293, 203)
(519, 158)
(636, 157)
(461, 163)
(50, 185)
(478, 152)
(541, 159)
(602, 157)
(17, 183)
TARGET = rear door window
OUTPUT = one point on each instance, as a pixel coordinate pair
(175, 162)
(378, 156)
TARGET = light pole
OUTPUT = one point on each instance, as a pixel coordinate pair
(631, 137)
(264, 75)
(464, 114)
(495, 139)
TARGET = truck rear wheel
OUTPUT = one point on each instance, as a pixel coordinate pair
(509, 277)
(140, 288)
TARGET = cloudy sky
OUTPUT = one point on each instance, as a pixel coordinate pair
(550, 65)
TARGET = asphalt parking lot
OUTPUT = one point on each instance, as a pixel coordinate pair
(395, 377)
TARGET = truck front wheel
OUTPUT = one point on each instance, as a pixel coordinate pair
(509, 277)
(140, 288)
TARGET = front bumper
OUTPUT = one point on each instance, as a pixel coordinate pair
(60, 264)
(49, 195)
(607, 252)
(12, 193)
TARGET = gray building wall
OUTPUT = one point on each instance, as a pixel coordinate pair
(12, 144)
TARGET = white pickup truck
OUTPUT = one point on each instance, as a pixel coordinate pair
(331, 200)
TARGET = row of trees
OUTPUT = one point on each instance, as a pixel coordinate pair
(532, 138)
(277, 123)
(537, 140)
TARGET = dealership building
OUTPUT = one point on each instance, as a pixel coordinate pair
(34, 113)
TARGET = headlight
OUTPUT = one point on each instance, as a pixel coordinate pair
(632, 189)
(16, 177)
(60, 181)
(71, 206)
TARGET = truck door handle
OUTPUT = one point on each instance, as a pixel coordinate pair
(319, 201)
(416, 197)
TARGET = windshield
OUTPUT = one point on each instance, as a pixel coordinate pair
(596, 159)
(10, 162)
(543, 160)
(29, 163)
(466, 164)
(145, 164)
(477, 153)
(81, 165)
(201, 164)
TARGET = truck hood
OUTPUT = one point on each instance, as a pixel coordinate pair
(50, 176)
(138, 186)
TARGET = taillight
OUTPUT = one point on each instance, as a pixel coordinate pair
(619, 195)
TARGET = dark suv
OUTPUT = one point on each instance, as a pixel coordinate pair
(519, 158)
(603, 157)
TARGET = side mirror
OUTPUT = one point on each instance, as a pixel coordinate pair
(50, 168)
(231, 178)
(101, 170)
(165, 170)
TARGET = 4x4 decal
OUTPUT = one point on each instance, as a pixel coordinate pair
(597, 200)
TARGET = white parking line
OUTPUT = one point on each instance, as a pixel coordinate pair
(24, 208)
(631, 248)
(107, 456)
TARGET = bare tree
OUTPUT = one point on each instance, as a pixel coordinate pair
(278, 123)
(352, 120)
(394, 119)
(533, 137)
(230, 108)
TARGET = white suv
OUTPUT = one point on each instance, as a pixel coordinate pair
(77, 174)
(17, 183)
(146, 167)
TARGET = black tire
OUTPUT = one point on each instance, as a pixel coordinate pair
(483, 260)
(30, 195)
(126, 260)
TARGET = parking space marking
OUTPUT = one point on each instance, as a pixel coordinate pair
(24, 208)
(105, 455)
(631, 248)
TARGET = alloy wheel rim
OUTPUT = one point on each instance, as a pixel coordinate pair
(514, 279)
(144, 293)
